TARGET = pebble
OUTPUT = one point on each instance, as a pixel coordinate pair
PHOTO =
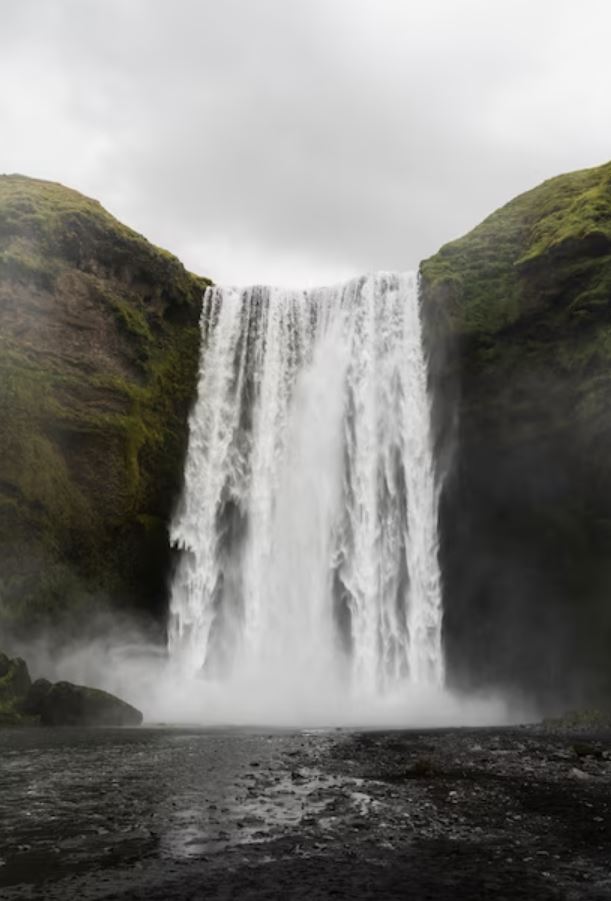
(580, 774)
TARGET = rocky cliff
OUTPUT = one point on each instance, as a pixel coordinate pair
(99, 343)
(519, 324)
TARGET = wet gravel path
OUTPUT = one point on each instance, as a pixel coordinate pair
(220, 814)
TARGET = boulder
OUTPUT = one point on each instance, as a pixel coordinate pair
(23, 702)
(34, 698)
(15, 684)
(66, 704)
(15, 680)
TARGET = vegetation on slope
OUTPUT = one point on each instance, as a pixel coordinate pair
(550, 243)
(525, 303)
(99, 343)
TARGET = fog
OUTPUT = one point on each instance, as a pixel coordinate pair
(124, 663)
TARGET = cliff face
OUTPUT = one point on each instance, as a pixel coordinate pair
(518, 317)
(99, 343)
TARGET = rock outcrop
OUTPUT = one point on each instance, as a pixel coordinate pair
(23, 702)
(99, 343)
(518, 316)
(66, 704)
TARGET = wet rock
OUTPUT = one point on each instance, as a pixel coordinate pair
(14, 678)
(582, 749)
(15, 683)
(34, 698)
(66, 704)
(62, 704)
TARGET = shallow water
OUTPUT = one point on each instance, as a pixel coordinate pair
(75, 800)
(514, 814)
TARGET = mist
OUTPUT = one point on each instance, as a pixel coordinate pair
(123, 661)
(307, 590)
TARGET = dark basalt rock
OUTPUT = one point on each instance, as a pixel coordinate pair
(517, 317)
(15, 683)
(35, 696)
(66, 704)
(23, 702)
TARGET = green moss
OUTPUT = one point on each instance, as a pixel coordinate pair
(524, 303)
(19, 264)
(13, 718)
(132, 320)
(63, 224)
(99, 345)
(561, 228)
(34, 472)
(574, 208)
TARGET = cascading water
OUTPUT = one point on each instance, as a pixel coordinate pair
(308, 523)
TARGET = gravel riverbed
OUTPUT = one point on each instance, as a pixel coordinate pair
(159, 813)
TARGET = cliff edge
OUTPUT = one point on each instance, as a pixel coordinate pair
(99, 344)
(518, 316)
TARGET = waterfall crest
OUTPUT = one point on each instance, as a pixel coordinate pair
(308, 522)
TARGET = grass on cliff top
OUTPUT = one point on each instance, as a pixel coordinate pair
(47, 229)
(561, 228)
(42, 222)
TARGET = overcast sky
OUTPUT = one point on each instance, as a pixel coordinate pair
(303, 141)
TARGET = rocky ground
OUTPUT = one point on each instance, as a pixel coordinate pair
(159, 814)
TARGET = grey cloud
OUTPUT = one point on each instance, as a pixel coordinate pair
(358, 133)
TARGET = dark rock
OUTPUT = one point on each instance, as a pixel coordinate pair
(4, 664)
(15, 684)
(21, 677)
(23, 702)
(35, 696)
(517, 317)
(15, 681)
(66, 704)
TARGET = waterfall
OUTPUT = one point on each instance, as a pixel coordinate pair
(308, 522)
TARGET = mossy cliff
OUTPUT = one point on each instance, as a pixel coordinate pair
(99, 343)
(518, 317)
